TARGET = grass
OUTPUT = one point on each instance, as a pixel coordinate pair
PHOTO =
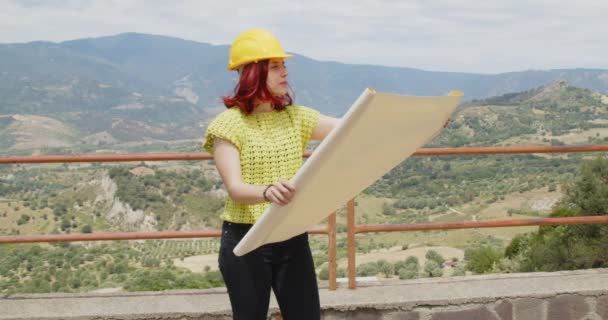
(36, 225)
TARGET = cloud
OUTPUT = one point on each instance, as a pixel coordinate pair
(471, 36)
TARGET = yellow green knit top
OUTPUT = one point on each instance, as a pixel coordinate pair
(271, 147)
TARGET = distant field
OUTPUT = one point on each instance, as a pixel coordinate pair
(573, 137)
(395, 254)
(36, 224)
(198, 263)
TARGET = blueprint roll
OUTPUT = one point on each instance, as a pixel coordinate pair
(378, 132)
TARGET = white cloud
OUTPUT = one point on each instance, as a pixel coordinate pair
(471, 36)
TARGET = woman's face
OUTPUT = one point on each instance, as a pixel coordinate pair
(277, 77)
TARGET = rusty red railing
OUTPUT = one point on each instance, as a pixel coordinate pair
(190, 156)
(330, 229)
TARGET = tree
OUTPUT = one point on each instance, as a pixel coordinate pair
(388, 210)
(407, 273)
(589, 193)
(514, 248)
(408, 269)
(433, 269)
(60, 209)
(481, 259)
(324, 273)
(570, 247)
(458, 271)
(23, 219)
(398, 266)
(435, 256)
(412, 260)
(86, 229)
(386, 268)
(367, 269)
(65, 224)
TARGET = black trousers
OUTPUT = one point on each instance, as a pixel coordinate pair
(287, 267)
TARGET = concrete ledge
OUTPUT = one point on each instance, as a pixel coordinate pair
(484, 297)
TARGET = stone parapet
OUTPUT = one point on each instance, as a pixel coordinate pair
(580, 295)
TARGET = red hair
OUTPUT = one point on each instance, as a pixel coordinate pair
(252, 86)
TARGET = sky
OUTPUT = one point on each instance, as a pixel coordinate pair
(459, 36)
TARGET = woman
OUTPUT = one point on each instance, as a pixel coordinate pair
(258, 145)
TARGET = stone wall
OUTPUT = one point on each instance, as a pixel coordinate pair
(561, 307)
(574, 295)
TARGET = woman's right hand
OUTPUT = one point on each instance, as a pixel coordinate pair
(281, 192)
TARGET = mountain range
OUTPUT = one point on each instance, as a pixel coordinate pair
(137, 87)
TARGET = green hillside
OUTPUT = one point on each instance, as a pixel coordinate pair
(74, 198)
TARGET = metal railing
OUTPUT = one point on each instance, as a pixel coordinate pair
(353, 229)
(330, 229)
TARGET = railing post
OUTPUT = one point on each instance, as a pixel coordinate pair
(350, 229)
(331, 231)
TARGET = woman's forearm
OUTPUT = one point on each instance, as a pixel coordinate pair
(228, 164)
(246, 193)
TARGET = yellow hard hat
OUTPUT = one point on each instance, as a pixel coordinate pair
(254, 45)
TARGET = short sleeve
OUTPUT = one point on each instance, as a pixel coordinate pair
(309, 118)
(225, 126)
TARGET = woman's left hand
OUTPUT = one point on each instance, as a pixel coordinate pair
(280, 192)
